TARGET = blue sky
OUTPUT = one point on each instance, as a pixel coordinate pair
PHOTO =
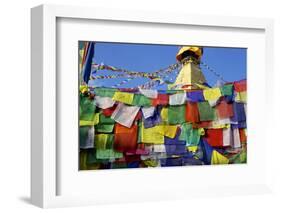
(229, 62)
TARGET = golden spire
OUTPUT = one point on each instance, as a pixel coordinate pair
(190, 73)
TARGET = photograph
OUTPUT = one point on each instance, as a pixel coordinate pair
(152, 105)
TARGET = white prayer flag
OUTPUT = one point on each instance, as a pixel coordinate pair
(177, 99)
(103, 102)
(125, 115)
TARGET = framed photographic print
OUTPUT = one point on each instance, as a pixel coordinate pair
(130, 106)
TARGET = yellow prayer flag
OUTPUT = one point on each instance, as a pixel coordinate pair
(241, 97)
(100, 141)
(123, 97)
(212, 94)
(218, 158)
(95, 121)
(192, 148)
(164, 114)
(169, 130)
(152, 135)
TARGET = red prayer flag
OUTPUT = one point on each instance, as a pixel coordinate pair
(162, 99)
(240, 86)
(108, 112)
(224, 109)
(191, 113)
(125, 139)
(214, 137)
(243, 137)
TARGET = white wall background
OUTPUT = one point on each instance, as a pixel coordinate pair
(15, 104)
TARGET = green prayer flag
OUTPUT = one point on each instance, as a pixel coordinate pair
(190, 135)
(106, 120)
(87, 109)
(141, 100)
(105, 92)
(101, 140)
(176, 114)
(227, 90)
(108, 154)
(107, 128)
(206, 112)
(83, 135)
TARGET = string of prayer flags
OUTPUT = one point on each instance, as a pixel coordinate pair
(136, 127)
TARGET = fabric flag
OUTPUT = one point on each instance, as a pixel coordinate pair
(105, 92)
(155, 135)
(106, 120)
(125, 138)
(103, 102)
(101, 140)
(192, 113)
(227, 137)
(106, 128)
(125, 115)
(175, 149)
(240, 86)
(242, 134)
(159, 148)
(164, 114)
(207, 152)
(218, 158)
(177, 99)
(176, 114)
(141, 100)
(190, 135)
(239, 112)
(195, 96)
(86, 72)
(175, 140)
(214, 137)
(123, 97)
(86, 137)
(224, 110)
(162, 99)
(212, 94)
(148, 111)
(227, 90)
(109, 154)
(87, 109)
(108, 112)
(93, 122)
(206, 112)
(241, 97)
(236, 138)
(149, 93)
(153, 120)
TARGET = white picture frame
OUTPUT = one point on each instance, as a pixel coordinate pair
(45, 151)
